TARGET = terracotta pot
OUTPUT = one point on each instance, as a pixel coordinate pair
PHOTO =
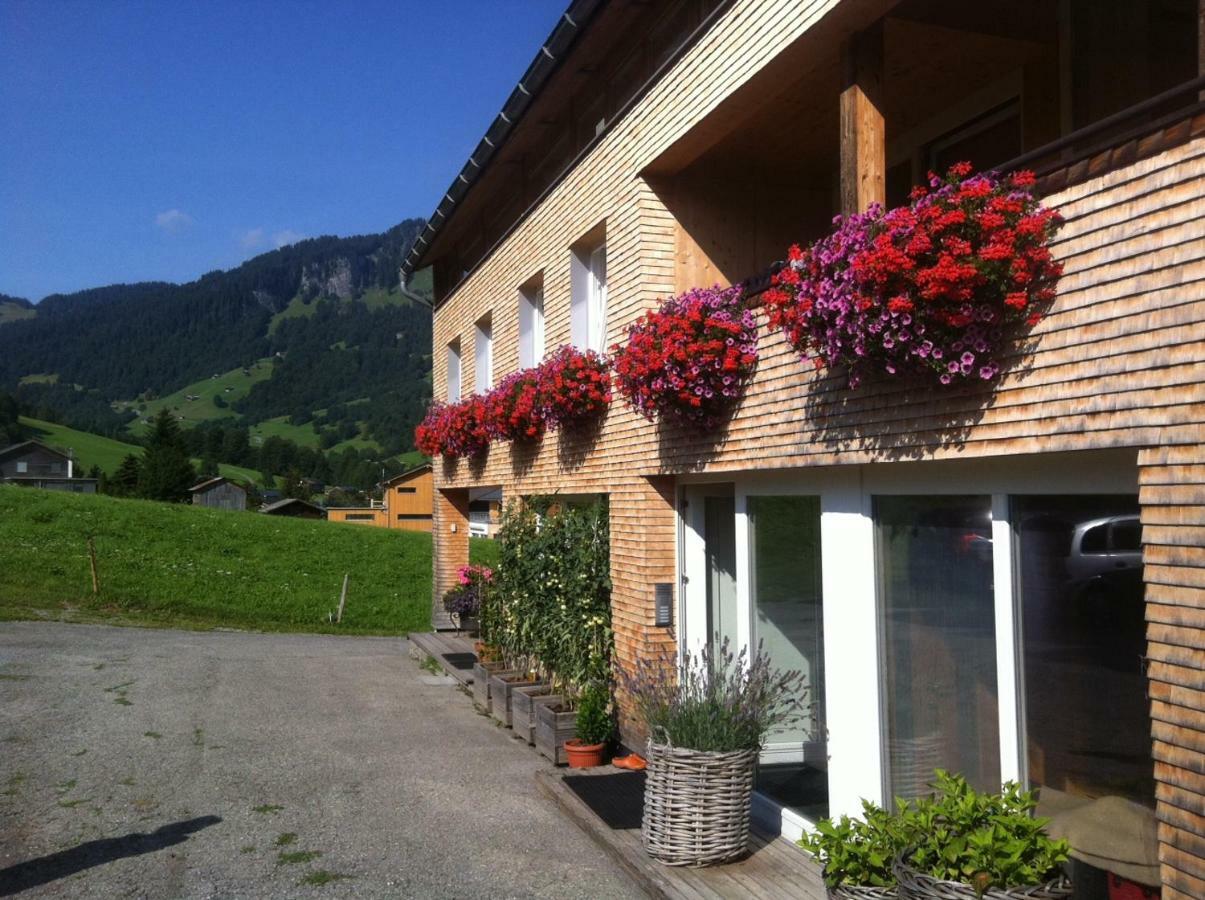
(584, 756)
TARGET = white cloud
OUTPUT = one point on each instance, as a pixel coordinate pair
(252, 238)
(173, 220)
(286, 237)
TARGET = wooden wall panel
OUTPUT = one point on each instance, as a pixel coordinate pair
(1172, 479)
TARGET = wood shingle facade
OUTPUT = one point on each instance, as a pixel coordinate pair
(753, 123)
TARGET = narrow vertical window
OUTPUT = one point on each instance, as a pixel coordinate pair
(531, 323)
(484, 356)
(597, 327)
(454, 371)
(588, 291)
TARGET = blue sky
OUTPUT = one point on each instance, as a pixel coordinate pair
(161, 140)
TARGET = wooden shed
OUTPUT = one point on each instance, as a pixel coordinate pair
(219, 493)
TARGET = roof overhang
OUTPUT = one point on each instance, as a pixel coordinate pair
(552, 52)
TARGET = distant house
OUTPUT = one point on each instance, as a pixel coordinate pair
(405, 504)
(33, 464)
(292, 506)
(219, 493)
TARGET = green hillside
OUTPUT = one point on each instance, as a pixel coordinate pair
(14, 309)
(202, 407)
(187, 566)
(94, 450)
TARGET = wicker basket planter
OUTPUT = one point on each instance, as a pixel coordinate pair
(481, 681)
(501, 686)
(862, 892)
(522, 708)
(914, 885)
(554, 726)
(696, 805)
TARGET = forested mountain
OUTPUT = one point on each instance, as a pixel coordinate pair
(326, 310)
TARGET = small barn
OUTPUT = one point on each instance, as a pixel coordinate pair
(295, 507)
(219, 493)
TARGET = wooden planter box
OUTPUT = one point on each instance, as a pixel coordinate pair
(502, 685)
(522, 708)
(481, 681)
(554, 726)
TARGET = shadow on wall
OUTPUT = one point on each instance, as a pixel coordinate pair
(905, 419)
(54, 866)
(523, 456)
(574, 442)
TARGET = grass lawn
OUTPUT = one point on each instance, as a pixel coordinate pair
(185, 566)
(230, 386)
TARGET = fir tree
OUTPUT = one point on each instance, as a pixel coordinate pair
(167, 472)
(124, 482)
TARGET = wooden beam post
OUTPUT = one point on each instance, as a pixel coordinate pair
(863, 135)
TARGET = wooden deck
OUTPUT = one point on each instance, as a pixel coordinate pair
(451, 650)
(607, 802)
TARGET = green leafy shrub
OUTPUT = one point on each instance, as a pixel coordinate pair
(550, 610)
(717, 701)
(956, 834)
(860, 851)
(988, 840)
(593, 716)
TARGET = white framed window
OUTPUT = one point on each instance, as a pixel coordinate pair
(483, 355)
(22, 467)
(588, 309)
(531, 324)
(454, 371)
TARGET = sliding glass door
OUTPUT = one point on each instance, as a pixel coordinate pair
(786, 598)
(938, 640)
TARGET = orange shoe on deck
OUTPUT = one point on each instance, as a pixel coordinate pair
(634, 761)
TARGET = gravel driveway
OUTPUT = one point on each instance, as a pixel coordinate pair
(143, 763)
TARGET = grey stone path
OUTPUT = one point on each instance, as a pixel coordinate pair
(145, 763)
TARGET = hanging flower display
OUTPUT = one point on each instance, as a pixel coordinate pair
(931, 288)
(570, 386)
(454, 429)
(691, 358)
(574, 386)
(512, 408)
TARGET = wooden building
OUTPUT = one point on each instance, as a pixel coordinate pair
(34, 464)
(405, 504)
(219, 493)
(295, 508)
(651, 148)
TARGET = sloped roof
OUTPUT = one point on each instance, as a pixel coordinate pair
(281, 504)
(26, 446)
(551, 53)
(208, 484)
(405, 476)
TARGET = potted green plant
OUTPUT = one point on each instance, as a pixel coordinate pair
(976, 845)
(857, 855)
(592, 727)
(706, 723)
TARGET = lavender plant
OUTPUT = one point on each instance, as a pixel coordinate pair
(716, 701)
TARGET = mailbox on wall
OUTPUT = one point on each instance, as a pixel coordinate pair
(663, 595)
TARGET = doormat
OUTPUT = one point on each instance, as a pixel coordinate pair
(462, 661)
(616, 798)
